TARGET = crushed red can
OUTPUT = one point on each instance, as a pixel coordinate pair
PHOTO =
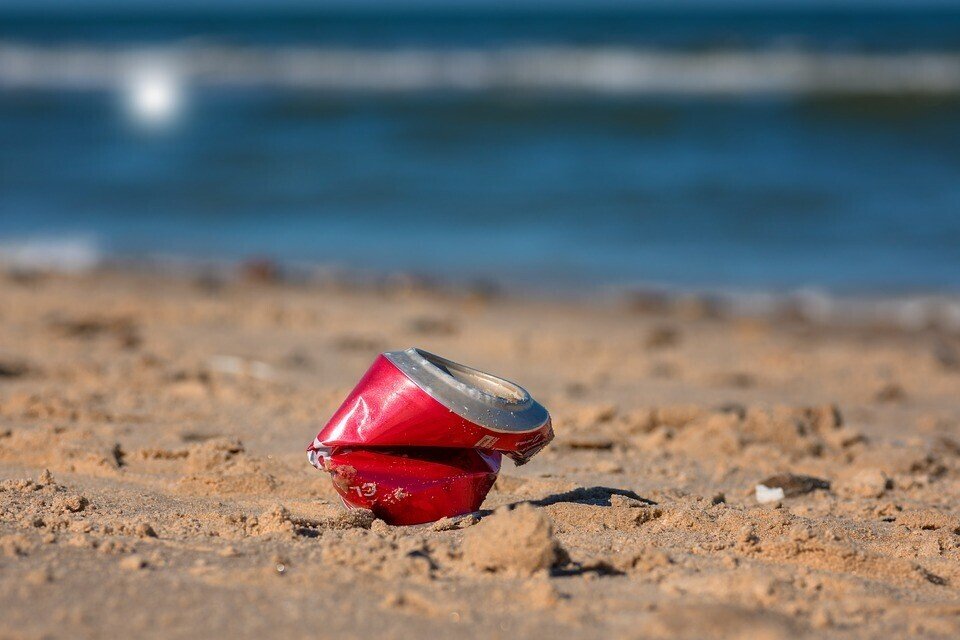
(421, 437)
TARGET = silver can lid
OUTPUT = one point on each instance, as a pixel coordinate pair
(482, 398)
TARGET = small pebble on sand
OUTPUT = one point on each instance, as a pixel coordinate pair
(787, 485)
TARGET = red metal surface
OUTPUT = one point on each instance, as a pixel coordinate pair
(393, 448)
(412, 486)
(387, 409)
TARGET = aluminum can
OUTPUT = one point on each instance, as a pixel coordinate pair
(421, 437)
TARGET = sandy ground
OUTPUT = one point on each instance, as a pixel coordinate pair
(154, 481)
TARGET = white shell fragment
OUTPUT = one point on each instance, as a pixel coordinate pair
(767, 494)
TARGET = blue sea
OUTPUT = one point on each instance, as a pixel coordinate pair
(740, 149)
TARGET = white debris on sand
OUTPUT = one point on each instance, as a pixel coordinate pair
(237, 366)
(767, 494)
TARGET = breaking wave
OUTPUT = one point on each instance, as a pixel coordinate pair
(68, 254)
(591, 70)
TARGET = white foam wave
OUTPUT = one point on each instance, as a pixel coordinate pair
(61, 254)
(540, 68)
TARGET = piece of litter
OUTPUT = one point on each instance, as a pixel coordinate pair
(421, 437)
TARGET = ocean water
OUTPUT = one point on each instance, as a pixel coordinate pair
(738, 149)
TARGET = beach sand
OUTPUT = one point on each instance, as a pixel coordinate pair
(154, 481)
